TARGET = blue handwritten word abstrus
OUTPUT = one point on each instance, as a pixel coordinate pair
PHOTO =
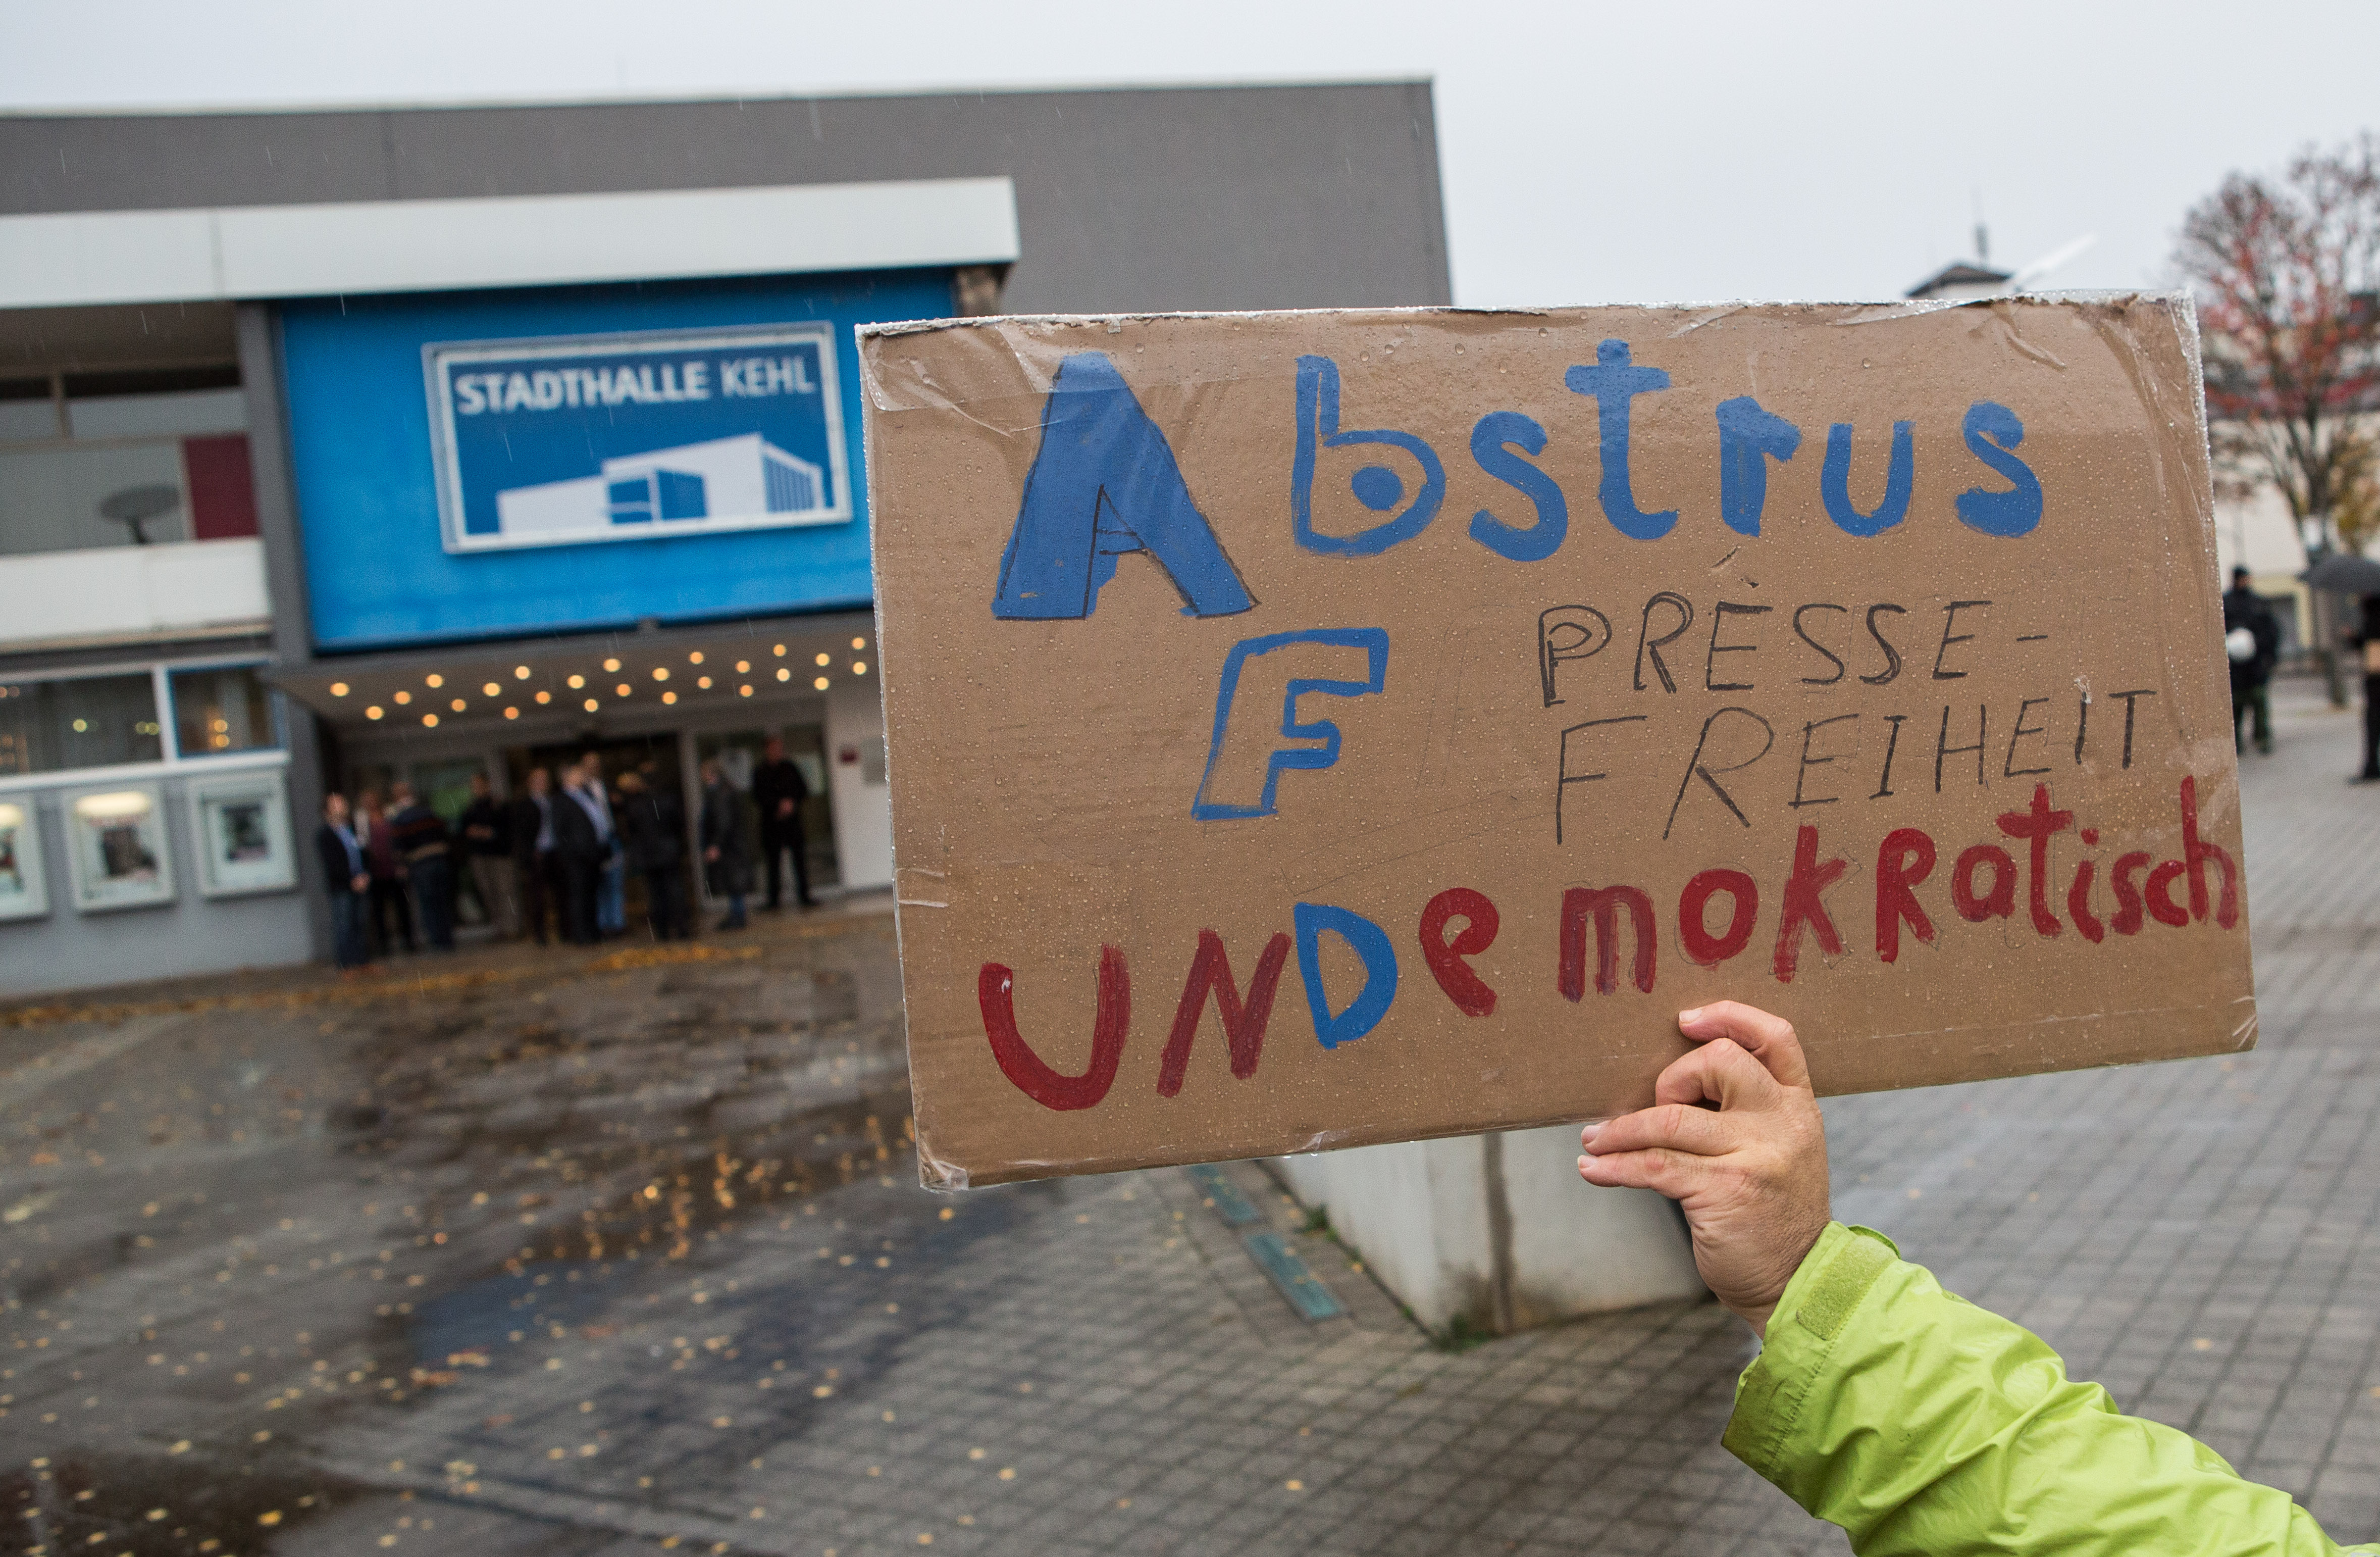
(1106, 482)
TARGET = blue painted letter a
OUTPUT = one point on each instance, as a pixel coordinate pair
(1104, 484)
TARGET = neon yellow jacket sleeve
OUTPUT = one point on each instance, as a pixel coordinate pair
(1925, 1425)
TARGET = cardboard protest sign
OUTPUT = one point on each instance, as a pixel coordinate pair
(1309, 729)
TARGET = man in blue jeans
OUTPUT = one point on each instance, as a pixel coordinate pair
(1922, 1425)
(349, 880)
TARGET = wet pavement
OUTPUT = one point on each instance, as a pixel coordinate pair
(538, 1255)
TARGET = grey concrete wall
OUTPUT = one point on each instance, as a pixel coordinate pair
(1198, 198)
(70, 950)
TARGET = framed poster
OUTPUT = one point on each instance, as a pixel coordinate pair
(116, 847)
(240, 822)
(24, 895)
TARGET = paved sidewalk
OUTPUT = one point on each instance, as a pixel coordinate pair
(623, 1255)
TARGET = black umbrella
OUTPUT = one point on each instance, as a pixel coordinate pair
(2345, 573)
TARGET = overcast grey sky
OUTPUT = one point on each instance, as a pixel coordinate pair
(1590, 152)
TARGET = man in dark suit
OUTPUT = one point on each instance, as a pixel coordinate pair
(349, 879)
(778, 791)
(582, 841)
(534, 865)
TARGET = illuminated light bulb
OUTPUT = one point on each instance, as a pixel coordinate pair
(859, 643)
(374, 711)
(545, 697)
(744, 690)
(661, 673)
(703, 682)
(576, 682)
(859, 668)
(611, 665)
(623, 689)
(824, 659)
(783, 675)
(457, 705)
(520, 672)
(743, 668)
(338, 688)
(779, 651)
(430, 720)
(821, 683)
(591, 705)
(493, 689)
(433, 680)
(695, 658)
(512, 713)
(669, 696)
(405, 697)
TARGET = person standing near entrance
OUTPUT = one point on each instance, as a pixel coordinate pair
(582, 841)
(652, 832)
(388, 896)
(423, 843)
(611, 895)
(349, 878)
(488, 839)
(726, 849)
(778, 790)
(530, 823)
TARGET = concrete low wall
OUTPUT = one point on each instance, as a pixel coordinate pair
(1496, 1230)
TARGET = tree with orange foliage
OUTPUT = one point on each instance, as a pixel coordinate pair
(2287, 276)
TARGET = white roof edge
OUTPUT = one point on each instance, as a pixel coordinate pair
(259, 107)
(245, 252)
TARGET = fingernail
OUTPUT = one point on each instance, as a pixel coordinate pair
(1587, 1136)
(1693, 1015)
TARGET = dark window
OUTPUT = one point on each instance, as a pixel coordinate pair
(89, 722)
(222, 709)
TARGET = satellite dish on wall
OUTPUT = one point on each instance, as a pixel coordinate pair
(135, 506)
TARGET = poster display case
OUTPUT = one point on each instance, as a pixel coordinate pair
(24, 894)
(239, 823)
(117, 849)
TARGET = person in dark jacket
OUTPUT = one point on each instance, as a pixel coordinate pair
(388, 895)
(726, 847)
(652, 830)
(529, 821)
(423, 843)
(582, 841)
(487, 827)
(778, 791)
(2245, 611)
(2366, 643)
(348, 875)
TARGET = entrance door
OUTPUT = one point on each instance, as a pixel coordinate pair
(739, 756)
(654, 758)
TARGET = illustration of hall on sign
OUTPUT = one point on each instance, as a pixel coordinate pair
(743, 477)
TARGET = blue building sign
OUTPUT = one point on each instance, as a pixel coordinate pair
(631, 436)
(716, 422)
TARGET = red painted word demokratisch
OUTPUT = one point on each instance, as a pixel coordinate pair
(1985, 881)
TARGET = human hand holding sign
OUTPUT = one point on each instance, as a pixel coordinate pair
(1735, 1138)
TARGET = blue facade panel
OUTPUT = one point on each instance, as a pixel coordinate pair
(381, 566)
